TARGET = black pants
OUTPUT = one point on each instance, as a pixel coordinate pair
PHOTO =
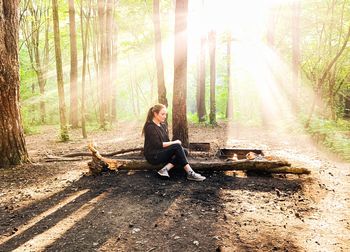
(174, 154)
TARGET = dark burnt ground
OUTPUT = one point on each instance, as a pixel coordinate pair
(55, 207)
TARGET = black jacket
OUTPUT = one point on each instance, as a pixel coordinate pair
(154, 137)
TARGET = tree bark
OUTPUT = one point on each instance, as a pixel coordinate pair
(12, 143)
(201, 110)
(108, 56)
(229, 107)
(212, 49)
(60, 85)
(179, 118)
(103, 100)
(115, 69)
(158, 54)
(73, 116)
(84, 38)
(296, 48)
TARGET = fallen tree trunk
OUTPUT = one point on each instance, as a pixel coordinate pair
(79, 155)
(99, 162)
(110, 154)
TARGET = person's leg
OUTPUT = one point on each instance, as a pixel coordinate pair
(167, 155)
(176, 154)
(180, 158)
(180, 155)
(164, 172)
(192, 175)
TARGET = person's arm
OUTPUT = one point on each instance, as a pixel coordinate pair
(166, 144)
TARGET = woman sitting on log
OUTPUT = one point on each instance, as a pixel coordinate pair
(158, 149)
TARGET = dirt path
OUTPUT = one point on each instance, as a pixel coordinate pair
(54, 207)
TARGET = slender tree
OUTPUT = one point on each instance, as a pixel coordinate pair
(320, 81)
(12, 144)
(84, 38)
(31, 30)
(108, 55)
(179, 119)
(114, 66)
(201, 110)
(212, 49)
(229, 106)
(60, 85)
(296, 46)
(103, 99)
(73, 115)
(158, 54)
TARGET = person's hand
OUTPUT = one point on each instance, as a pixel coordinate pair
(177, 142)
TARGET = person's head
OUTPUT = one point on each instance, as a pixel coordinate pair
(157, 113)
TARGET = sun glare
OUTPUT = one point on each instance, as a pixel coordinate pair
(246, 20)
(262, 82)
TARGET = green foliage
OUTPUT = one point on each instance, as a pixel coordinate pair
(64, 136)
(192, 117)
(335, 135)
(30, 129)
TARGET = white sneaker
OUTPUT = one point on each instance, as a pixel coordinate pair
(163, 172)
(195, 176)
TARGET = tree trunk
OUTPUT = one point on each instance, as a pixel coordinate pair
(158, 54)
(115, 68)
(229, 107)
(108, 56)
(212, 49)
(320, 82)
(60, 85)
(12, 144)
(179, 118)
(201, 110)
(73, 116)
(102, 62)
(296, 48)
(30, 27)
(84, 38)
(45, 67)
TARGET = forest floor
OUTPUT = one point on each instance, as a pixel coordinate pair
(58, 207)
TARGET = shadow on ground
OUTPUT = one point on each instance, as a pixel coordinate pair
(140, 212)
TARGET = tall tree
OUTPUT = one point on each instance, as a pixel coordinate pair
(158, 54)
(84, 38)
(229, 105)
(114, 66)
(201, 111)
(39, 57)
(212, 50)
(12, 143)
(296, 46)
(320, 81)
(108, 55)
(73, 115)
(60, 85)
(179, 120)
(103, 99)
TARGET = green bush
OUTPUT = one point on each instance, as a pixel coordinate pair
(335, 135)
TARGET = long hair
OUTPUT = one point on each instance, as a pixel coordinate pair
(155, 109)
